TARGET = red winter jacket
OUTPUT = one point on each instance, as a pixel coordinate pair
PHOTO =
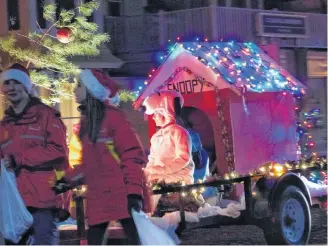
(112, 168)
(36, 138)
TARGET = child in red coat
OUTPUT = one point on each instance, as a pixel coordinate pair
(112, 158)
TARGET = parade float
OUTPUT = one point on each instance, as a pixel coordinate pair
(245, 101)
(246, 96)
(241, 102)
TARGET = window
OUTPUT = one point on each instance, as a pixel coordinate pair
(13, 14)
(41, 20)
(114, 8)
(63, 4)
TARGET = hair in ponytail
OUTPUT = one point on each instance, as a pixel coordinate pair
(95, 113)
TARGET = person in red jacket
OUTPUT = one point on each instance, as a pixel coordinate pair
(112, 159)
(75, 146)
(33, 144)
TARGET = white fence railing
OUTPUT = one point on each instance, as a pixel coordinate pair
(152, 31)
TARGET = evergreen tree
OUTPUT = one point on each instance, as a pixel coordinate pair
(75, 36)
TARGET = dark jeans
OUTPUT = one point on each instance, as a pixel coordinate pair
(96, 232)
(43, 231)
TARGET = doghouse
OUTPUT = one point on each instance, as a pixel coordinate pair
(236, 97)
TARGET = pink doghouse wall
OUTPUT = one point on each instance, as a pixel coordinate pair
(267, 133)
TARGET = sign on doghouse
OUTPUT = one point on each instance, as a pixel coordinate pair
(187, 86)
(185, 82)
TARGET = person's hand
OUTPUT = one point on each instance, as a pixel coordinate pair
(61, 186)
(134, 201)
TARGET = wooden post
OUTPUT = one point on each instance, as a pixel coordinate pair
(248, 197)
(80, 219)
(182, 224)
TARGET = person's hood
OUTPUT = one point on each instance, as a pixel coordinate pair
(162, 102)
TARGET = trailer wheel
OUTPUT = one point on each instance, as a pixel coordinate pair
(291, 221)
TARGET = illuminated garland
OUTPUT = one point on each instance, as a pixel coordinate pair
(229, 154)
(268, 168)
(240, 64)
(306, 122)
(160, 185)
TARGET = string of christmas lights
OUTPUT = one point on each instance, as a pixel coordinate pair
(306, 122)
(268, 168)
(240, 64)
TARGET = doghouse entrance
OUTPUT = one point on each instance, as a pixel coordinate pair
(200, 123)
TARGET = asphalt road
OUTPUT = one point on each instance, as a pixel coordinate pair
(231, 235)
(251, 235)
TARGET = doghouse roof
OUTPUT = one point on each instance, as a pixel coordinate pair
(226, 65)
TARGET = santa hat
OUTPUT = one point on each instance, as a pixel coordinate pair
(19, 73)
(100, 86)
(162, 102)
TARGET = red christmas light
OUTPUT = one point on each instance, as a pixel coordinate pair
(311, 144)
